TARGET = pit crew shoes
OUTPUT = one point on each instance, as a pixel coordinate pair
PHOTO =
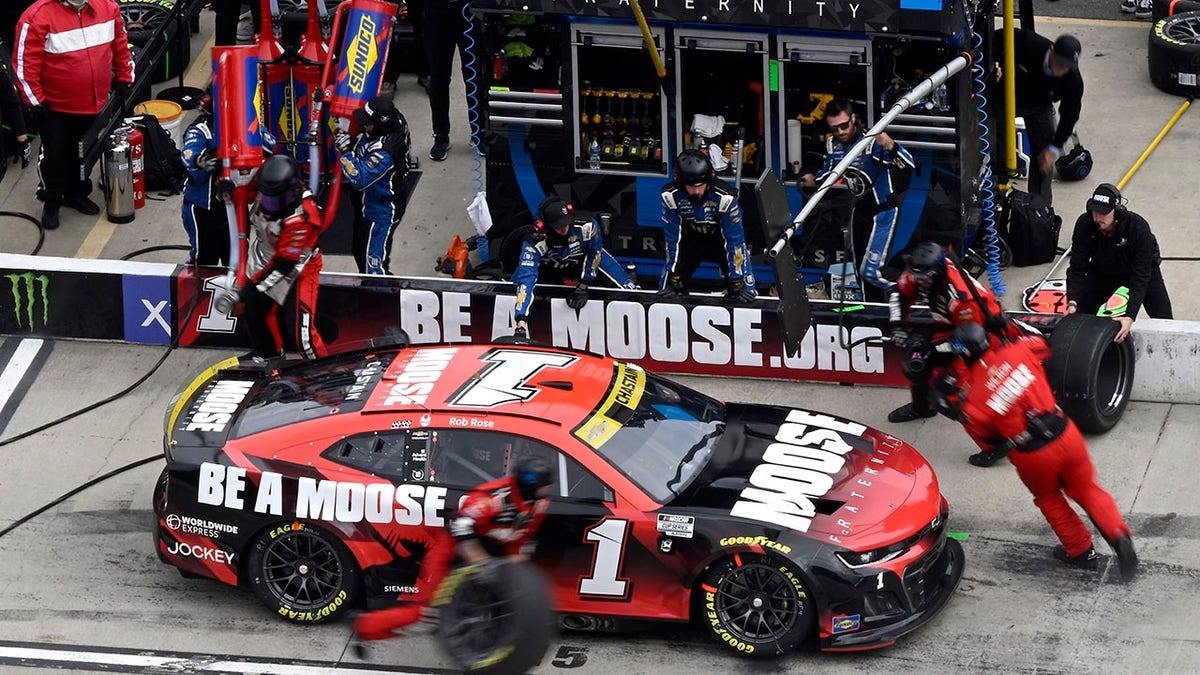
(908, 412)
(1127, 559)
(1086, 560)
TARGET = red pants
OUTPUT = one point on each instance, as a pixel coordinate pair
(381, 624)
(1064, 469)
(267, 322)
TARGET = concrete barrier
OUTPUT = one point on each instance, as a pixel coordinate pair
(1168, 361)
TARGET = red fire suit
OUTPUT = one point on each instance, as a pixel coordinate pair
(495, 515)
(284, 267)
(1006, 400)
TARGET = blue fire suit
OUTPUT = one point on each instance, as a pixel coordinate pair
(701, 232)
(204, 215)
(884, 168)
(376, 168)
(578, 255)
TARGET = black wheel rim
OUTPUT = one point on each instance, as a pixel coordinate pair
(1185, 29)
(303, 571)
(143, 17)
(476, 622)
(757, 603)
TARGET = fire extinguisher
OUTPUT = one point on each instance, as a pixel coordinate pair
(137, 151)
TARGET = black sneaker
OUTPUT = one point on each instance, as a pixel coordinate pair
(441, 148)
(908, 412)
(50, 217)
(1086, 560)
(987, 458)
(1127, 560)
(83, 205)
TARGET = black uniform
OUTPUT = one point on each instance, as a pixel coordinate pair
(1102, 263)
(1037, 89)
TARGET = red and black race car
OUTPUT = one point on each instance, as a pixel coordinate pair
(319, 483)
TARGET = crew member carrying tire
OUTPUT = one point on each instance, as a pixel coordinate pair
(930, 279)
(998, 391)
(498, 518)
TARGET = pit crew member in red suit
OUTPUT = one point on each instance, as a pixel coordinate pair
(498, 518)
(1004, 402)
(284, 263)
(929, 278)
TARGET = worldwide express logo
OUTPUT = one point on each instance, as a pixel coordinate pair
(30, 291)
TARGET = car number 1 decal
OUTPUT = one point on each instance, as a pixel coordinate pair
(505, 378)
(608, 539)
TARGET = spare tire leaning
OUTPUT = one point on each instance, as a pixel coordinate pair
(1091, 375)
(1173, 54)
(1165, 8)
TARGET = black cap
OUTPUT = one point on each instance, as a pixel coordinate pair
(1104, 199)
(1066, 51)
(379, 111)
(555, 213)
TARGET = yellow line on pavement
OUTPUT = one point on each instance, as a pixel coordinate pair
(101, 233)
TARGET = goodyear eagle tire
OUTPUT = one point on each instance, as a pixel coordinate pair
(303, 573)
(146, 18)
(759, 607)
(1173, 54)
(1091, 375)
(1165, 8)
(494, 617)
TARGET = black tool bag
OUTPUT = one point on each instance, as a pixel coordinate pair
(1030, 229)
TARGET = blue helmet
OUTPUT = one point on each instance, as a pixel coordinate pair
(532, 473)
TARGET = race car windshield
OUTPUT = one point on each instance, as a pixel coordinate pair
(658, 433)
(336, 385)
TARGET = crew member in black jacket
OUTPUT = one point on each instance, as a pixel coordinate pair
(1047, 72)
(1113, 247)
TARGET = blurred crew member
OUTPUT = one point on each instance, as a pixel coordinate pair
(999, 392)
(205, 218)
(702, 222)
(376, 164)
(562, 247)
(498, 518)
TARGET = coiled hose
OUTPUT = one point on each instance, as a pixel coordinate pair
(472, 87)
(991, 236)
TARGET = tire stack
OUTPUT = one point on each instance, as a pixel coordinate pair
(147, 19)
(1173, 49)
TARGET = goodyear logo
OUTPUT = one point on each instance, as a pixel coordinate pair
(27, 288)
(362, 53)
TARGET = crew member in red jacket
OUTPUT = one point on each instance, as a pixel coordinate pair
(1000, 394)
(284, 262)
(65, 57)
(929, 278)
(498, 518)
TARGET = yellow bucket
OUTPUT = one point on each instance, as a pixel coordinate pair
(169, 114)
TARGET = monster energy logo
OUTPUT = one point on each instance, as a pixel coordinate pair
(25, 288)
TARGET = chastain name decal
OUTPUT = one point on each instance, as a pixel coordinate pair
(216, 408)
(329, 500)
(797, 468)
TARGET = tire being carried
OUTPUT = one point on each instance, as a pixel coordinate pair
(1091, 375)
(495, 617)
(1173, 54)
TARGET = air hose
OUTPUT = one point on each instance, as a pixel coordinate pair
(472, 87)
(987, 191)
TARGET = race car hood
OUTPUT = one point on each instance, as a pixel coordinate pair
(817, 473)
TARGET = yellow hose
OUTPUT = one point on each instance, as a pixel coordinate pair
(649, 38)
(1153, 144)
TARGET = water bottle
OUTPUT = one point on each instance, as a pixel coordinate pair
(594, 154)
(942, 98)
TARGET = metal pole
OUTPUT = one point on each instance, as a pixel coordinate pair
(917, 93)
(1010, 98)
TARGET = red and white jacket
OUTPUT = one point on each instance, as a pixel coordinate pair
(65, 58)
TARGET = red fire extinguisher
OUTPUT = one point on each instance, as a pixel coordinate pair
(137, 158)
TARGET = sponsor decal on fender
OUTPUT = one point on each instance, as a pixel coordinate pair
(756, 541)
(677, 526)
(205, 553)
(204, 528)
(797, 468)
(846, 623)
(329, 500)
(215, 407)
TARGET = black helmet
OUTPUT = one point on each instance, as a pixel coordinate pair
(970, 341)
(380, 112)
(279, 186)
(532, 473)
(1075, 165)
(693, 168)
(927, 261)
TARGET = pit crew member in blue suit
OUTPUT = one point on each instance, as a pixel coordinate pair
(375, 164)
(702, 221)
(888, 166)
(205, 218)
(562, 247)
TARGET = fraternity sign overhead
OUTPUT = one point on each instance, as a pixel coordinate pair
(834, 15)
